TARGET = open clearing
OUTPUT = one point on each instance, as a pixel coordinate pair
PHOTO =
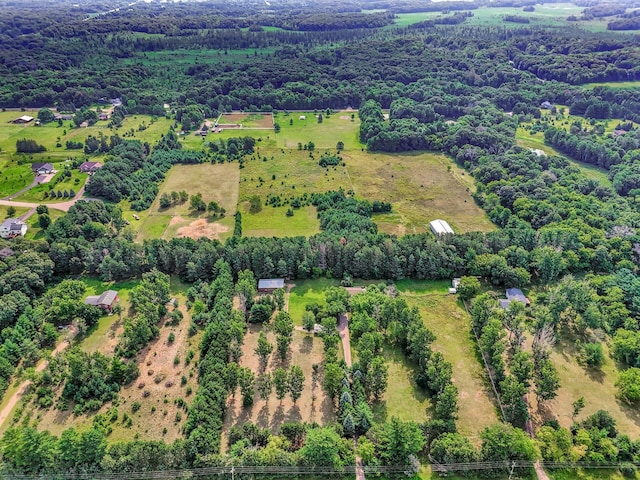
(216, 182)
(421, 187)
(403, 398)
(443, 315)
(313, 406)
(596, 386)
(273, 222)
(303, 127)
(245, 120)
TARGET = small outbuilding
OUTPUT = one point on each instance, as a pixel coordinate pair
(440, 227)
(106, 301)
(268, 285)
(12, 228)
(546, 105)
(22, 120)
(302, 117)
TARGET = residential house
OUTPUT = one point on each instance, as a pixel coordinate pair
(12, 227)
(42, 168)
(268, 285)
(90, 167)
(106, 301)
(546, 105)
(514, 295)
(103, 116)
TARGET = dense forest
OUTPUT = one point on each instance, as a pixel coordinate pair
(437, 85)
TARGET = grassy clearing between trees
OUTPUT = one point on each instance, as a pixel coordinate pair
(305, 293)
(273, 222)
(631, 84)
(443, 314)
(421, 187)
(217, 182)
(4, 215)
(313, 406)
(597, 386)
(35, 232)
(337, 127)
(403, 398)
(527, 139)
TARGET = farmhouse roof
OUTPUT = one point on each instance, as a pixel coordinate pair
(107, 298)
(440, 227)
(41, 166)
(24, 119)
(268, 283)
(515, 294)
(89, 166)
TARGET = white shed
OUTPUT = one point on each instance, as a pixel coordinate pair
(440, 227)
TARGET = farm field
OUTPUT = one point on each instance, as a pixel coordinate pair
(273, 222)
(313, 406)
(216, 182)
(303, 127)
(443, 315)
(421, 187)
(246, 120)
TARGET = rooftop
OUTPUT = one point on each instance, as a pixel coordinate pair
(268, 283)
(440, 227)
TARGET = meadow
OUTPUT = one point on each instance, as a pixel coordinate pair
(446, 317)
(303, 127)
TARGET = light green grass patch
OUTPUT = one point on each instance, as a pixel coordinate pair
(596, 386)
(13, 175)
(35, 232)
(421, 187)
(273, 222)
(19, 211)
(403, 398)
(36, 194)
(615, 85)
(448, 320)
(334, 128)
(305, 293)
(197, 57)
(153, 226)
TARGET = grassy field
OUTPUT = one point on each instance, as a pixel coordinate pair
(273, 222)
(450, 323)
(633, 84)
(334, 128)
(4, 214)
(421, 187)
(36, 194)
(596, 386)
(216, 182)
(403, 398)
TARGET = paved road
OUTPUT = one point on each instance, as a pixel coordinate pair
(15, 398)
(64, 206)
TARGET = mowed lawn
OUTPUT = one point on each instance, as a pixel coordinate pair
(336, 127)
(403, 398)
(596, 386)
(421, 187)
(447, 319)
(305, 293)
(274, 222)
(216, 182)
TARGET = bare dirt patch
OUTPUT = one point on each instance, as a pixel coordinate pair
(345, 117)
(313, 405)
(201, 228)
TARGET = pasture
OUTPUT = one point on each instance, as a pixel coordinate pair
(303, 127)
(274, 222)
(420, 187)
(448, 320)
(216, 182)
(246, 120)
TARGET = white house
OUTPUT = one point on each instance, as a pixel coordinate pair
(12, 227)
(440, 227)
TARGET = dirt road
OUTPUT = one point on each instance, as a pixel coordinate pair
(42, 364)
